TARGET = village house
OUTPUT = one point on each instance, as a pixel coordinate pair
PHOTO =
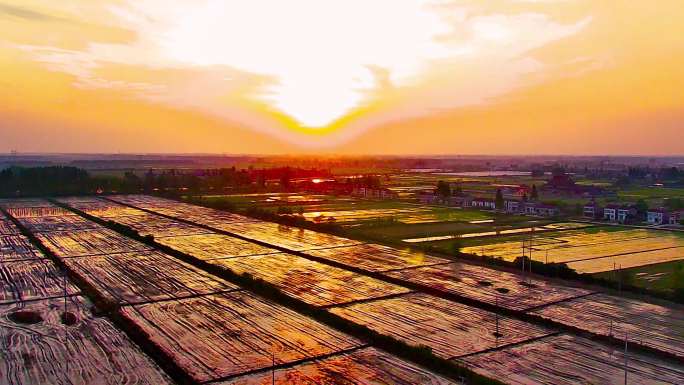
(658, 216)
(592, 210)
(546, 210)
(484, 203)
(619, 213)
(676, 217)
(512, 206)
(375, 193)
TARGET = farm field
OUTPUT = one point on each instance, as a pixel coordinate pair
(487, 285)
(214, 246)
(17, 248)
(145, 276)
(45, 351)
(376, 258)
(158, 226)
(312, 282)
(569, 360)
(643, 323)
(367, 366)
(33, 279)
(449, 328)
(288, 237)
(662, 276)
(6, 226)
(593, 250)
(47, 210)
(504, 232)
(89, 242)
(57, 223)
(100, 208)
(212, 337)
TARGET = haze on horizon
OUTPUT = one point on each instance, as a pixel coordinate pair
(347, 77)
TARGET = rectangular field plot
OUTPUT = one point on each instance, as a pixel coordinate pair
(376, 258)
(568, 360)
(144, 277)
(102, 208)
(212, 337)
(158, 226)
(38, 349)
(24, 202)
(17, 248)
(49, 210)
(89, 242)
(492, 286)
(213, 246)
(291, 238)
(312, 282)
(646, 324)
(57, 223)
(7, 227)
(629, 247)
(28, 280)
(626, 261)
(367, 366)
(449, 328)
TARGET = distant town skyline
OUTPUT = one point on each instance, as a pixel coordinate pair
(571, 77)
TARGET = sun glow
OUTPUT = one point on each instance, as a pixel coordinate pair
(322, 56)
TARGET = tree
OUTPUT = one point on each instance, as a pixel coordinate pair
(443, 189)
(499, 199)
(535, 195)
(641, 207)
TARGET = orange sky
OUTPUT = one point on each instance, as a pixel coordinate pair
(353, 76)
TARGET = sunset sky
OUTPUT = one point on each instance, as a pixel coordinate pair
(348, 76)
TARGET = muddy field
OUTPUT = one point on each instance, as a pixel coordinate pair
(158, 226)
(367, 366)
(7, 227)
(39, 349)
(568, 360)
(145, 276)
(213, 246)
(642, 323)
(376, 258)
(33, 279)
(450, 329)
(492, 286)
(17, 248)
(312, 282)
(57, 223)
(101, 208)
(215, 336)
(89, 242)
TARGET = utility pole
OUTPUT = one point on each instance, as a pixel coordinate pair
(626, 337)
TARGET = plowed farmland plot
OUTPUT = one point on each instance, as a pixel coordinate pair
(57, 223)
(312, 282)
(158, 226)
(42, 211)
(450, 329)
(212, 337)
(17, 248)
(145, 276)
(569, 360)
(213, 246)
(102, 208)
(588, 251)
(376, 258)
(367, 366)
(24, 202)
(89, 242)
(7, 227)
(488, 285)
(39, 349)
(291, 238)
(642, 323)
(28, 280)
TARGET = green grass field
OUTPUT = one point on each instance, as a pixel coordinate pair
(662, 276)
